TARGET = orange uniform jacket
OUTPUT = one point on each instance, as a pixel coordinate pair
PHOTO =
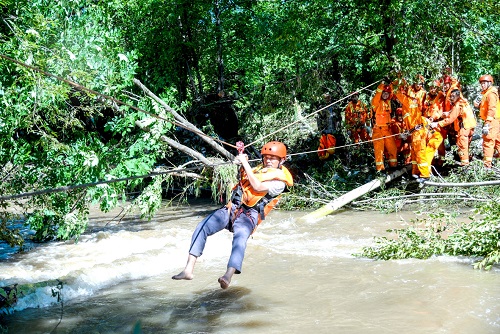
(489, 108)
(326, 146)
(434, 106)
(381, 108)
(461, 115)
(413, 104)
(356, 115)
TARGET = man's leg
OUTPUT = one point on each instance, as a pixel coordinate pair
(243, 227)
(212, 224)
(187, 273)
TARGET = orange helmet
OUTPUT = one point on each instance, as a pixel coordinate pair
(274, 148)
(486, 77)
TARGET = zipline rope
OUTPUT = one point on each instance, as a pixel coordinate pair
(347, 145)
(176, 170)
(313, 113)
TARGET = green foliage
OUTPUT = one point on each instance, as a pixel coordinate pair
(58, 217)
(11, 235)
(441, 234)
(223, 179)
(149, 201)
(481, 238)
(48, 130)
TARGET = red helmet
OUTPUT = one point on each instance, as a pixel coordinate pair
(486, 77)
(274, 148)
(447, 79)
(387, 88)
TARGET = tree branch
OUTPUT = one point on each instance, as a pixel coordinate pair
(188, 125)
(195, 154)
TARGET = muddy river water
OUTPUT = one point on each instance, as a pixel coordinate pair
(298, 277)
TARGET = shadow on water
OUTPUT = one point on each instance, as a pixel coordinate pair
(202, 312)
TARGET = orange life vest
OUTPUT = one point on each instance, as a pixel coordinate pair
(326, 146)
(259, 200)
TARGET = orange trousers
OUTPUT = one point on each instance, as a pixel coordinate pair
(491, 142)
(383, 140)
(435, 142)
(359, 134)
(418, 158)
(464, 137)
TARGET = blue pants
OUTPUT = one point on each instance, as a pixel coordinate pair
(242, 228)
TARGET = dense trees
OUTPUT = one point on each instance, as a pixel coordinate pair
(241, 63)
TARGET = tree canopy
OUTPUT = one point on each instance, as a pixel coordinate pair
(235, 69)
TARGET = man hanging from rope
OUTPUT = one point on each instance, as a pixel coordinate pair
(253, 197)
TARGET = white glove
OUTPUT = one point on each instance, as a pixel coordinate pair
(369, 130)
(486, 129)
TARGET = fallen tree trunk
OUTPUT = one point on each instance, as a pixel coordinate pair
(185, 123)
(347, 198)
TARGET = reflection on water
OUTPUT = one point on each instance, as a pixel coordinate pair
(297, 277)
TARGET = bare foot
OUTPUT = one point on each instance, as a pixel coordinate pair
(183, 275)
(224, 282)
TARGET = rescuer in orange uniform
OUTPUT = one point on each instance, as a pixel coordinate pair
(253, 197)
(434, 112)
(464, 123)
(400, 138)
(412, 98)
(383, 139)
(356, 115)
(489, 111)
(449, 84)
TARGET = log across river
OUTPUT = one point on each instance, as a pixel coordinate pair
(298, 277)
